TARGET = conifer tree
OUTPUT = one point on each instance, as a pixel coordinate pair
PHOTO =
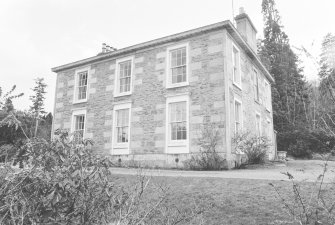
(290, 91)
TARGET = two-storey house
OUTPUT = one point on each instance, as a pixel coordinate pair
(147, 102)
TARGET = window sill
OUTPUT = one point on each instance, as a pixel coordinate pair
(80, 101)
(120, 150)
(122, 94)
(177, 85)
(237, 85)
(178, 143)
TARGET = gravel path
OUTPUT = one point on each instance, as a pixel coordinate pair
(302, 170)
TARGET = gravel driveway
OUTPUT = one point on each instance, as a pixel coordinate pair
(302, 170)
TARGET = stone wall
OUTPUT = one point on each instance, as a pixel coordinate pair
(148, 99)
(246, 94)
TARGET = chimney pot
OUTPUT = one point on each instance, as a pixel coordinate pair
(241, 10)
(103, 47)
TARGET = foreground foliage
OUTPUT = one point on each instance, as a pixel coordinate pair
(66, 184)
(312, 206)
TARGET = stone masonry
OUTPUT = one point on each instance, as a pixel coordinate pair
(210, 87)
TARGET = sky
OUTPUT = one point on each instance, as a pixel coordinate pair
(36, 35)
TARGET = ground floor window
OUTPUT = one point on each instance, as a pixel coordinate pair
(177, 122)
(78, 123)
(238, 116)
(258, 125)
(121, 128)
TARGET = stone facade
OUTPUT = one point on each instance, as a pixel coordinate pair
(210, 85)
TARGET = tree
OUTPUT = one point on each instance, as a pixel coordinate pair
(327, 84)
(290, 91)
(38, 101)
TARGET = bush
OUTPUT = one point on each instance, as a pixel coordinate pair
(300, 149)
(64, 183)
(302, 143)
(208, 158)
(255, 148)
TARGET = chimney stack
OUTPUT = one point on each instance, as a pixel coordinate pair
(106, 48)
(246, 28)
(103, 48)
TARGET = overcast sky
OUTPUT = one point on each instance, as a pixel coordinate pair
(37, 35)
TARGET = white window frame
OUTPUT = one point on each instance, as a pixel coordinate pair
(120, 148)
(75, 113)
(168, 66)
(241, 115)
(257, 97)
(267, 96)
(260, 124)
(182, 145)
(117, 77)
(239, 83)
(76, 80)
(270, 135)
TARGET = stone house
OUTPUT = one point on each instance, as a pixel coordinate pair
(148, 102)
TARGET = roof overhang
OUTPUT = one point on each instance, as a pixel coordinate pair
(172, 38)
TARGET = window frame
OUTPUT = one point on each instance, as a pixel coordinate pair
(117, 76)
(177, 143)
(120, 148)
(76, 85)
(241, 115)
(268, 96)
(256, 85)
(268, 123)
(260, 124)
(239, 83)
(75, 113)
(169, 83)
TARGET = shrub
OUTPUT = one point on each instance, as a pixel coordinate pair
(255, 148)
(300, 149)
(208, 157)
(302, 143)
(66, 184)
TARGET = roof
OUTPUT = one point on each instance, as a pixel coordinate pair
(175, 37)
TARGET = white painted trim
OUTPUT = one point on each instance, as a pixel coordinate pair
(227, 98)
(182, 146)
(241, 114)
(75, 101)
(260, 122)
(239, 85)
(123, 148)
(168, 62)
(116, 80)
(256, 79)
(268, 100)
(73, 121)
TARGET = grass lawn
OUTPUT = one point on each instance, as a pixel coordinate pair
(226, 201)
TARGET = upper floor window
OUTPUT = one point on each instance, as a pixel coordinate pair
(236, 67)
(238, 116)
(256, 85)
(177, 74)
(124, 70)
(81, 85)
